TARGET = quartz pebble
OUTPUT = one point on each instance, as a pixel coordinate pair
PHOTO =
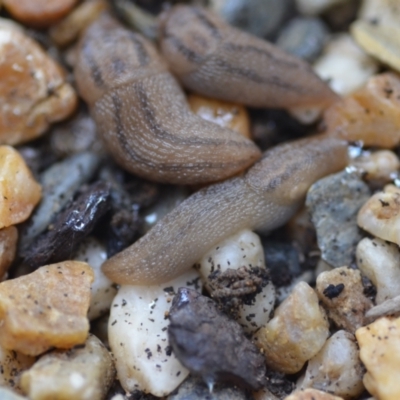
(12, 364)
(103, 290)
(377, 167)
(84, 372)
(336, 369)
(297, 332)
(222, 113)
(313, 7)
(8, 245)
(370, 114)
(252, 293)
(303, 37)
(380, 214)
(344, 65)
(19, 191)
(34, 93)
(342, 294)
(312, 394)
(137, 335)
(6, 394)
(380, 352)
(46, 308)
(379, 261)
(38, 13)
(333, 203)
(212, 345)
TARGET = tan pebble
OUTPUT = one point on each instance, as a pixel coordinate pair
(380, 262)
(312, 394)
(38, 13)
(370, 114)
(297, 332)
(342, 294)
(84, 372)
(12, 364)
(380, 352)
(379, 40)
(336, 368)
(223, 113)
(313, 7)
(380, 215)
(378, 167)
(33, 93)
(46, 308)
(19, 192)
(68, 30)
(264, 394)
(8, 246)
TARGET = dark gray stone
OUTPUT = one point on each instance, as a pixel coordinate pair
(334, 203)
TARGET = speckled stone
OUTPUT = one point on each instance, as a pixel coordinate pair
(333, 203)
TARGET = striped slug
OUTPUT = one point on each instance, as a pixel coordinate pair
(216, 60)
(265, 198)
(143, 116)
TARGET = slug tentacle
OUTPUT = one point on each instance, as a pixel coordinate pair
(143, 116)
(265, 198)
(214, 59)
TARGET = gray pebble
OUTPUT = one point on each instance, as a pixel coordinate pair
(303, 37)
(334, 203)
(195, 389)
(8, 394)
(259, 17)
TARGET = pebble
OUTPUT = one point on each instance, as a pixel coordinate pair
(250, 296)
(34, 93)
(370, 114)
(312, 394)
(342, 294)
(84, 372)
(39, 13)
(336, 369)
(12, 364)
(6, 394)
(137, 334)
(212, 345)
(103, 290)
(46, 308)
(385, 12)
(225, 114)
(259, 17)
(380, 352)
(379, 261)
(303, 37)
(20, 193)
(333, 203)
(297, 332)
(314, 7)
(195, 389)
(8, 246)
(344, 65)
(377, 167)
(388, 307)
(60, 182)
(380, 214)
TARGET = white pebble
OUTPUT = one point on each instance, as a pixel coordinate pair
(137, 333)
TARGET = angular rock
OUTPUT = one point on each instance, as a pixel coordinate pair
(333, 203)
(203, 339)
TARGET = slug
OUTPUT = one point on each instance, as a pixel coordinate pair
(265, 198)
(142, 114)
(217, 60)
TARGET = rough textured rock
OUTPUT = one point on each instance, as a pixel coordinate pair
(342, 294)
(84, 372)
(333, 203)
(8, 246)
(203, 339)
(46, 308)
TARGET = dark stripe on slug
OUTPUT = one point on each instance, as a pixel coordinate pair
(95, 71)
(118, 65)
(142, 54)
(201, 17)
(189, 54)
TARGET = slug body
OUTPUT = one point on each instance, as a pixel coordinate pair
(265, 198)
(214, 59)
(143, 116)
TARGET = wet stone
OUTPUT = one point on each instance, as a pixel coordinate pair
(303, 37)
(333, 203)
(195, 389)
(203, 338)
